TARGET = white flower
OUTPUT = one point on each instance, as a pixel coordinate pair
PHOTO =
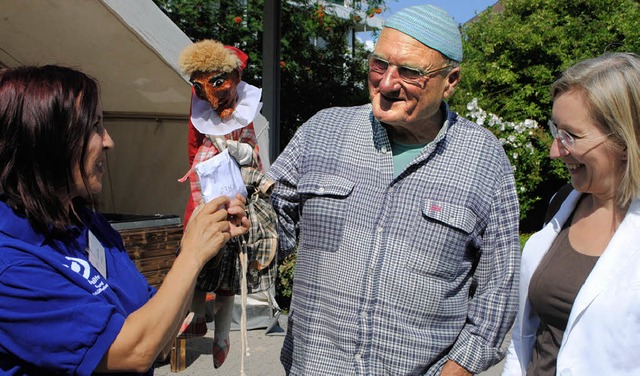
(473, 105)
(531, 124)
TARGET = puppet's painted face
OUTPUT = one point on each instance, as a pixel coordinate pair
(219, 89)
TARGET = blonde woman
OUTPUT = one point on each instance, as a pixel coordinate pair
(579, 310)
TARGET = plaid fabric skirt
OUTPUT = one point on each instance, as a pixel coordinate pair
(223, 271)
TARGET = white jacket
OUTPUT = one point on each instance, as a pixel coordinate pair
(603, 332)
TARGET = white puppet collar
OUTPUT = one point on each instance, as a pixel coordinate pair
(207, 121)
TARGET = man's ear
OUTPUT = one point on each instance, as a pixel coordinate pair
(451, 81)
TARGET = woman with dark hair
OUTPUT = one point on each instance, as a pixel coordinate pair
(71, 300)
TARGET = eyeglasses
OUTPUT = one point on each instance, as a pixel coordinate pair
(566, 139)
(408, 75)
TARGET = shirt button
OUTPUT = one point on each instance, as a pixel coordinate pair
(357, 356)
(384, 149)
(380, 229)
(321, 190)
(363, 314)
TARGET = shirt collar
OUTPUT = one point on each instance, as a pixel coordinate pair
(18, 227)
(448, 120)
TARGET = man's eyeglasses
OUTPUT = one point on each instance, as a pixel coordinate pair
(408, 75)
(566, 139)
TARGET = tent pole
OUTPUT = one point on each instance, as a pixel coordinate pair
(271, 74)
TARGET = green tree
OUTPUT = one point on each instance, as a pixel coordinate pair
(318, 67)
(512, 58)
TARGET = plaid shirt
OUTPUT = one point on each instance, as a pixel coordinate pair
(396, 276)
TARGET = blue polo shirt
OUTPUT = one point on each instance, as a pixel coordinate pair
(58, 314)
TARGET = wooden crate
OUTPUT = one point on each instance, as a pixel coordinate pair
(152, 245)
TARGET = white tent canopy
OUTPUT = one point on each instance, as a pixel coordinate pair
(131, 47)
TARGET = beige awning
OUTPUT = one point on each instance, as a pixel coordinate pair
(131, 47)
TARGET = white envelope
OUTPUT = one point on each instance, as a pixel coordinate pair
(219, 176)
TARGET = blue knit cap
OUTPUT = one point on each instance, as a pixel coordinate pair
(431, 26)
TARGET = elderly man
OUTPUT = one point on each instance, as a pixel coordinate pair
(405, 219)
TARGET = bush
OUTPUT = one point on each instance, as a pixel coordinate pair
(284, 286)
(527, 147)
(523, 240)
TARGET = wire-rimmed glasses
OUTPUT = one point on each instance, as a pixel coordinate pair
(565, 138)
(407, 74)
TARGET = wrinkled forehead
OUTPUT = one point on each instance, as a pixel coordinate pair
(398, 47)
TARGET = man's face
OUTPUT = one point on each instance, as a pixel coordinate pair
(219, 89)
(405, 104)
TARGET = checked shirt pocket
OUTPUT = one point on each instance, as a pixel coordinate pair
(323, 210)
(441, 239)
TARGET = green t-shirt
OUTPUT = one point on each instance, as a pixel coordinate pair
(403, 154)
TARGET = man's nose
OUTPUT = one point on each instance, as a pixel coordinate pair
(390, 80)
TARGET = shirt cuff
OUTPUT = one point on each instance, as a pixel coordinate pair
(471, 352)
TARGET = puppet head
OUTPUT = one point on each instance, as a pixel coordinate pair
(214, 71)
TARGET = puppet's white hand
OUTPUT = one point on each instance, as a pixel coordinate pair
(242, 152)
(220, 142)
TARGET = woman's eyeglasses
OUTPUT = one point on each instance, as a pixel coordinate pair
(408, 75)
(565, 138)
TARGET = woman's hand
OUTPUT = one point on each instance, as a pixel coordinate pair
(212, 225)
(237, 216)
(207, 231)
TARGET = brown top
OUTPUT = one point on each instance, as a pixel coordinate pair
(552, 290)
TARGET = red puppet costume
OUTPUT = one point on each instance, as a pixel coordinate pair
(222, 112)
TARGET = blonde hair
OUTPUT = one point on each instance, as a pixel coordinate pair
(611, 87)
(208, 56)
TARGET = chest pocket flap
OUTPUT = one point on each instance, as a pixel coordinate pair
(324, 203)
(316, 184)
(452, 215)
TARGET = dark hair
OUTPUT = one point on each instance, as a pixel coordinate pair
(46, 118)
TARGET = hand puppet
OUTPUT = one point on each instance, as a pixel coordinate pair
(223, 108)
